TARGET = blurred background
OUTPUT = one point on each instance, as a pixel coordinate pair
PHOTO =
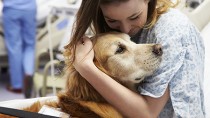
(54, 22)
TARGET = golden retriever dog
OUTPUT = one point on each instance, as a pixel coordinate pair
(123, 60)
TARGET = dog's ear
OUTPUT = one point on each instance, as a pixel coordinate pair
(93, 39)
(96, 59)
(99, 65)
(102, 68)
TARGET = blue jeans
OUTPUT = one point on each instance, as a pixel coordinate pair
(20, 38)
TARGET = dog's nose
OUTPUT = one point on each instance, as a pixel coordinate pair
(157, 49)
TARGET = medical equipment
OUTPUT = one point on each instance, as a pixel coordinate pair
(62, 10)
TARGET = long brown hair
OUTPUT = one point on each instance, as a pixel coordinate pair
(90, 16)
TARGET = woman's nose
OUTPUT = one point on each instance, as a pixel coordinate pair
(125, 28)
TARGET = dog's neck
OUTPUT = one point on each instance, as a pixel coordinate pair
(130, 85)
(80, 89)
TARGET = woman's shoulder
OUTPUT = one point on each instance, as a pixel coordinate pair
(173, 12)
(173, 23)
(173, 27)
(173, 18)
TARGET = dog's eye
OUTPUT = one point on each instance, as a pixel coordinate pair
(120, 49)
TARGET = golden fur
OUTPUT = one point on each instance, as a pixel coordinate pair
(126, 62)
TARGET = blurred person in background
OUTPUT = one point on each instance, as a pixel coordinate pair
(19, 23)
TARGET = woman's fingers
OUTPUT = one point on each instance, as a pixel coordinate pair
(84, 46)
(84, 38)
(84, 52)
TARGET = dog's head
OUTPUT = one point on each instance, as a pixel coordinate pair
(119, 57)
(124, 60)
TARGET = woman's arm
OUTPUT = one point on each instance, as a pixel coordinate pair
(129, 103)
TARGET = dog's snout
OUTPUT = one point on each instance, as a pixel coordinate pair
(157, 49)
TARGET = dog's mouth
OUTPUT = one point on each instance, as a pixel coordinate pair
(138, 80)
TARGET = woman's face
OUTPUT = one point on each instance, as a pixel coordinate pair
(128, 17)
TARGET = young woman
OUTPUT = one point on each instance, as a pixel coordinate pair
(176, 89)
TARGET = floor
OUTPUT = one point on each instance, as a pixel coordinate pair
(4, 93)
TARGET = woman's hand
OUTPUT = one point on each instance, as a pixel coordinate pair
(84, 54)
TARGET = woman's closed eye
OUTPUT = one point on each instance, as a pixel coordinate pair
(135, 18)
(111, 21)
